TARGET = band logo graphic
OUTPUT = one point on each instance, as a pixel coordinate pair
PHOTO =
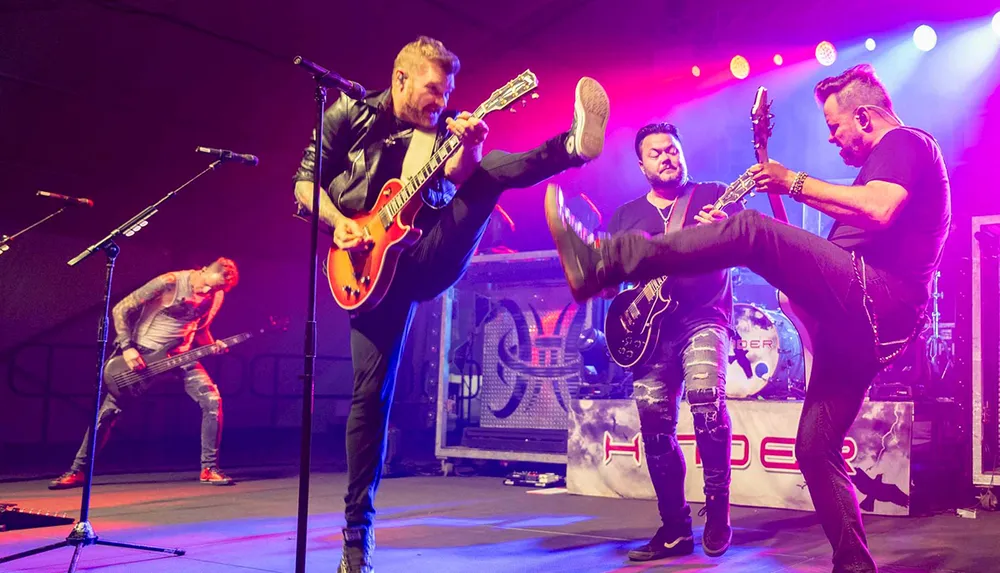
(630, 448)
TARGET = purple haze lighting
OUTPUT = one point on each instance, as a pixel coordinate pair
(925, 38)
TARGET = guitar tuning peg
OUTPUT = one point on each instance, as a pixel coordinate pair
(535, 96)
(524, 103)
(513, 110)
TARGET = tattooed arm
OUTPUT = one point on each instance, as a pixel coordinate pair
(130, 307)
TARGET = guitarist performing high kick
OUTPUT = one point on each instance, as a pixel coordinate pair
(865, 287)
(404, 141)
(172, 312)
(684, 349)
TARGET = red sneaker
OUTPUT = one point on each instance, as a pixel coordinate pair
(215, 476)
(68, 480)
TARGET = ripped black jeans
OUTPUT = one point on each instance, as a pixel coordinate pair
(696, 363)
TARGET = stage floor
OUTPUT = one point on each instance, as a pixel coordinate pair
(450, 524)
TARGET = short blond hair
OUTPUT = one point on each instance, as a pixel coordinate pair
(428, 49)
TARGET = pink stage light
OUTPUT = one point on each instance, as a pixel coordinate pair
(695, 71)
(778, 60)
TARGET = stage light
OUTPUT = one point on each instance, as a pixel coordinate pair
(695, 71)
(778, 60)
(925, 38)
(740, 67)
(870, 44)
(826, 54)
(996, 23)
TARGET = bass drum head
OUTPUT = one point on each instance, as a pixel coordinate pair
(766, 356)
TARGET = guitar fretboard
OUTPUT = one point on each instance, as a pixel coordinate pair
(185, 358)
(387, 214)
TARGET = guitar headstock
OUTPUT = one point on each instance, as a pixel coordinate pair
(737, 191)
(760, 117)
(514, 90)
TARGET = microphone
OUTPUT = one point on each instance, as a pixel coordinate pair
(67, 199)
(226, 155)
(331, 79)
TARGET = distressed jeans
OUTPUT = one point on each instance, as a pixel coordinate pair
(199, 386)
(694, 365)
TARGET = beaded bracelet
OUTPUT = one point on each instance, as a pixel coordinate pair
(795, 192)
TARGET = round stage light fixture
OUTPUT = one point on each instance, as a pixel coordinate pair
(826, 54)
(740, 67)
(925, 38)
(870, 44)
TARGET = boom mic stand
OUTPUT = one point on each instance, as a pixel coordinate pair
(323, 78)
(83, 533)
(5, 241)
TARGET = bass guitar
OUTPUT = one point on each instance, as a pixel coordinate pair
(760, 117)
(359, 278)
(122, 381)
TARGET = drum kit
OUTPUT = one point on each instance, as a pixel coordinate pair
(765, 361)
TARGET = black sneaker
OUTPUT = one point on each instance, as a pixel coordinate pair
(664, 544)
(718, 534)
(580, 260)
(590, 120)
(359, 545)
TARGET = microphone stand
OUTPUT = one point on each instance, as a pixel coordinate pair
(83, 533)
(308, 376)
(5, 241)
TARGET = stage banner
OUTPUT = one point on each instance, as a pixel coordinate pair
(605, 455)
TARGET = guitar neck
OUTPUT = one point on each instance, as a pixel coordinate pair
(419, 180)
(777, 206)
(185, 358)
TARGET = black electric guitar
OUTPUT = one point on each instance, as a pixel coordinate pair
(121, 381)
(632, 323)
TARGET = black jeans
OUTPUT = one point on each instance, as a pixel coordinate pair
(199, 386)
(694, 365)
(436, 262)
(821, 278)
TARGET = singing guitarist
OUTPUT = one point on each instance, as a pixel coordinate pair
(391, 134)
(690, 357)
(175, 310)
(865, 287)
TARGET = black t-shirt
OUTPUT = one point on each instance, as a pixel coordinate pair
(703, 299)
(911, 247)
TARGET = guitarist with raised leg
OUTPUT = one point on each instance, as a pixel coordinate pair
(172, 312)
(680, 339)
(865, 287)
(406, 134)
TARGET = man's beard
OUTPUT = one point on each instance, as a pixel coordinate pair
(414, 114)
(678, 179)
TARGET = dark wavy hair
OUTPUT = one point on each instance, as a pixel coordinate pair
(646, 131)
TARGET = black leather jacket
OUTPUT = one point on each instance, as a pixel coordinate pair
(354, 135)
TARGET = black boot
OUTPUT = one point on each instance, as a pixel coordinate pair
(667, 542)
(718, 534)
(581, 261)
(359, 545)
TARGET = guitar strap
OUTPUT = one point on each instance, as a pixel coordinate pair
(679, 213)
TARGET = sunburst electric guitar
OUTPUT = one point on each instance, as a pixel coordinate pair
(760, 117)
(360, 278)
